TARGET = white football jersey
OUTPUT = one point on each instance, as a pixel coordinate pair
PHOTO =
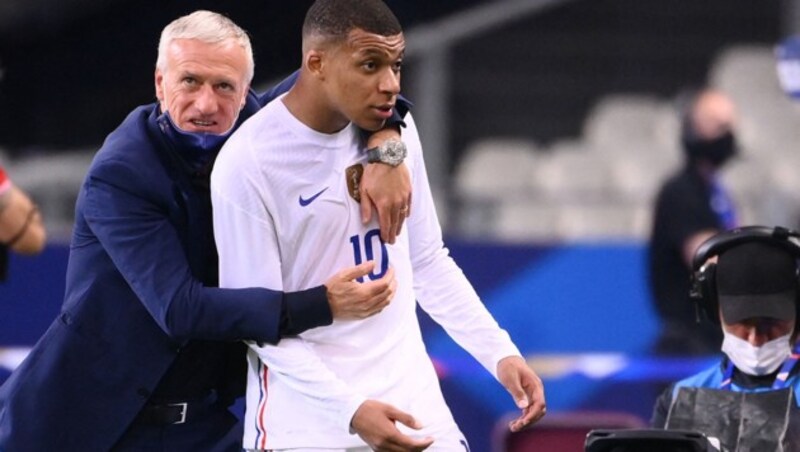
(286, 218)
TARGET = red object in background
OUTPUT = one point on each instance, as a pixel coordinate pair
(560, 432)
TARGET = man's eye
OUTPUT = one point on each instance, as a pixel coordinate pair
(189, 81)
(370, 65)
(225, 86)
(396, 67)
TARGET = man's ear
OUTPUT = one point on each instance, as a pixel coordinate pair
(244, 97)
(315, 63)
(159, 81)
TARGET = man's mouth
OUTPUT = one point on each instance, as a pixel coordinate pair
(385, 111)
(202, 124)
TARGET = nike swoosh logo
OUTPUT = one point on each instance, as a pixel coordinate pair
(305, 202)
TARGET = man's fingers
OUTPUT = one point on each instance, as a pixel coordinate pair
(388, 294)
(522, 402)
(366, 206)
(358, 271)
(525, 387)
(520, 397)
(381, 290)
(406, 442)
(403, 443)
(382, 299)
(534, 411)
(528, 417)
(518, 424)
(386, 219)
(404, 213)
(382, 287)
(376, 422)
(538, 407)
(403, 418)
(536, 396)
(391, 215)
(396, 216)
(397, 223)
(385, 280)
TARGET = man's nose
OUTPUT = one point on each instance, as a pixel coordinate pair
(206, 100)
(390, 82)
(756, 336)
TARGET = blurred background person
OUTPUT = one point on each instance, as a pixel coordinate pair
(691, 206)
(21, 226)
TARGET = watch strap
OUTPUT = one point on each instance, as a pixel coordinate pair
(373, 155)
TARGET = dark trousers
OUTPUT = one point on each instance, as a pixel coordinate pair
(216, 431)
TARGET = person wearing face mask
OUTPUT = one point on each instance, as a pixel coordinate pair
(691, 206)
(751, 293)
(146, 353)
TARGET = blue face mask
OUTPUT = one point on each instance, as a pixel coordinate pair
(195, 147)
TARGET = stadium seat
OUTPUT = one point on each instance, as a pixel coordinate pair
(524, 221)
(493, 171)
(565, 177)
(637, 178)
(559, 432)
(495, 168)
(619, 119)
(597, 222)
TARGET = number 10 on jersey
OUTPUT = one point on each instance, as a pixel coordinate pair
(370, 238)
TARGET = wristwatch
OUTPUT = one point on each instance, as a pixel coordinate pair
(390, 152)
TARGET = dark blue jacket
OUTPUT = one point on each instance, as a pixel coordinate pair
(139, 290)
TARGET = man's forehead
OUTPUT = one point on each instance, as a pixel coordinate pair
(366, 42)
(227, 50)
(194, 56)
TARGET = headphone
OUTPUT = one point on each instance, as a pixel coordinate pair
(703, 290)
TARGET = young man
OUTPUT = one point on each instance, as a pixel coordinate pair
(145, 353)
(285, 197)
(752, 293)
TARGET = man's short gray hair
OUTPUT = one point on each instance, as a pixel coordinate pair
(208, 27)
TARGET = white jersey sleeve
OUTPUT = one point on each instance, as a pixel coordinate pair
(441, 288)
(249, 256)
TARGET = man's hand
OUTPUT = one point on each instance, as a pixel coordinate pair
(374, 423)
(387, 189)
(525, 387)
(21, 227)
(350, 299)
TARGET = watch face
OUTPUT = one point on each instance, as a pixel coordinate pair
(391, 152)
(394, 152)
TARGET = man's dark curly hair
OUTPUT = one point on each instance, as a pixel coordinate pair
(336, 18)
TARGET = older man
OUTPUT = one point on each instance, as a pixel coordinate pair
(145, 354)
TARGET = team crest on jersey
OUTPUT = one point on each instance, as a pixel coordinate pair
(353, 176)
